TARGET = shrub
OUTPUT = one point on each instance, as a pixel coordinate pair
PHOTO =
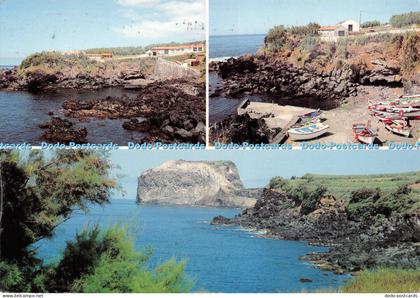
(384, 280)
(368, 203)
(309, 43)
(311, 29)
(368, 24)
(312, 198)
(277, 183)
(106, 261)
(276, 38)
(51, 59)
(405, 19)
(410, 49)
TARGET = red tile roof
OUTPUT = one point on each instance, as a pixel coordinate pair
(328, 28)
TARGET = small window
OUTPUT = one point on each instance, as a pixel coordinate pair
(350, 28)
(166, 52)
(194, 49)
(200, 49)
(341, 33)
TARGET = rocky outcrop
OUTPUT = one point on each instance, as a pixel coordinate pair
(133, 75)
(175, 111)
(242, 128)
(172, 70)
(354, 245)
(265, 75)
(63, 131)
(194, 183)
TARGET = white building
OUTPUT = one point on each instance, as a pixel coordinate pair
(333, 31)
(176, 50)
(350, 25)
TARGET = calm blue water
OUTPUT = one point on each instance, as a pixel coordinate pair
(234, 45)
(220, 259)
(21, 113)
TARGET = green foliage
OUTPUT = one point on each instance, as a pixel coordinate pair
(311, 29)
(108, 263)
(11, 278)
(306, 193)
(405, 19)
(276, 38)
(368, 24)
(310, 42)
(384, 280)
(368, 203)
(49, 59)
(341, 186)
(119, 51)
(411, 52)
(41, 192)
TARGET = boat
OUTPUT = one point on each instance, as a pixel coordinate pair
(389, 117)
(307, 132)
(413, 114)
(399, 128)
(364, 133)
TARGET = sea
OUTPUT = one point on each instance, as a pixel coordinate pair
(219, 259)
(226, 46)
(22, 112)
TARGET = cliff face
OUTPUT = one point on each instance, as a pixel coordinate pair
(354, 245)
(203, 183)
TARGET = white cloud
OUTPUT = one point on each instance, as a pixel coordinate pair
(138, 2)
(168, 19)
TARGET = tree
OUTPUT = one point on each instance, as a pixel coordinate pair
(40, 192)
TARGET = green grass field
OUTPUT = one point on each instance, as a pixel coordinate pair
(342, 186)
(384, 281)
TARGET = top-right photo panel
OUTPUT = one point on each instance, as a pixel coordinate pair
(314, 71)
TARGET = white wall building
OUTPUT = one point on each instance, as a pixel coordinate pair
(350, 25)
(176, 50)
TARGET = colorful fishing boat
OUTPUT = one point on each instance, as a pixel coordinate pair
(389, 117)
(399, 128)
(307, 132)
(364, 133)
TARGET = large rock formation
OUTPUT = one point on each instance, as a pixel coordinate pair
(194, 183)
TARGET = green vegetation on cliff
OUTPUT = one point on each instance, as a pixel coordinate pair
(384, 280)
(341, 186)
(367, 196)
(303, 47)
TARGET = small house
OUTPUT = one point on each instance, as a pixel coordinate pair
(333, 31)
(350, 25)
(176, 50)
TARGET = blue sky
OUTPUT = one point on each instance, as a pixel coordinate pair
(257, 167)
(228, 17)
(28, 26)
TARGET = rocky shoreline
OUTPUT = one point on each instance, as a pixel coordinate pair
(353, 245)
(170, 110)
(276, 78)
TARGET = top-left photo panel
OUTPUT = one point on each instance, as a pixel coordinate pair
(102, 71)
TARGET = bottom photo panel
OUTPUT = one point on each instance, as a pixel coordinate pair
(209, 221)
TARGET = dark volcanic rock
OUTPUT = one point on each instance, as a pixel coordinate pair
(173, 116)
(354, 246)
(242, 128)
(244, 64)
(62, 131)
